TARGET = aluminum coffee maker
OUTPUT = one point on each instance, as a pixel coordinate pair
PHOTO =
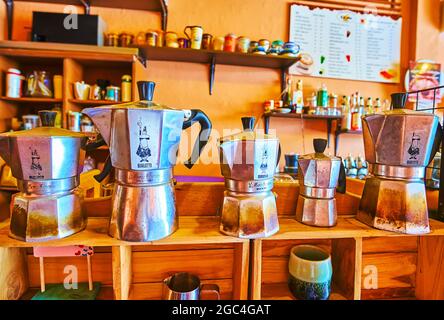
(45, 162)
(248, 162)
(320, 176)
(143, 139)
(399, 144)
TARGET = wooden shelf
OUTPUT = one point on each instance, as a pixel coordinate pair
(347, 227)
(192, 230)
(302, 116)
(93, 102)
(146, 5)
(217, 57)
(32, 100)
(280, 291)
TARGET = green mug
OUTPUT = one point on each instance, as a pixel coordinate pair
(310, 273)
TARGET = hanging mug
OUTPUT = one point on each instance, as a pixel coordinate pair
(187, 286)
(195, 38)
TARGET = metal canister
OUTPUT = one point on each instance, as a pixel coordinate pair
(151, 38)
(14, 81)
(125, 39)
(160, 38)
(112, 39)
(243, 43)
(140, 38)
(171, 39)
(112, 93)
(95, 92)
(74, 121)
(126, 88)
(230, 42)
(206, 41)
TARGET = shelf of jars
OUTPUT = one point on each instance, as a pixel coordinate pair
(93, 102)
(328, 118)
(214, 58)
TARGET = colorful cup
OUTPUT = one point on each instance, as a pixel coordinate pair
(218, 43)
(253, 45)
(195, 38)
(242, 45)
(171, 39)
(310, 273)
(264, 43)
(230, 42)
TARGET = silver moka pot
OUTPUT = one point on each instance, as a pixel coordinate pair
(248, 161)
(143, 139)
(399, 145)
(45, 162)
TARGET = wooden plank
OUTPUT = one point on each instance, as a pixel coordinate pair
(389, 294)
(355, 186)
(343, 257)
(358, 269)
(122, 271)
(240, 271)
(153, 291)
(158, 265)
(256, 270)
(280, 291)
(283, 247)
(393, 270)
(54, 269)
(274, 270)
(13, 273)
(192, 230)
(430, 271)
(72, 72)
(382, 244)
(205, 197)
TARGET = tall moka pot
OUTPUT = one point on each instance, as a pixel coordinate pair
(399, 145)
(143, 139)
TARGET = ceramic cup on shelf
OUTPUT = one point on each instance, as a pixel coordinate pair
(194, 37)
(187, 286)
(310, 273)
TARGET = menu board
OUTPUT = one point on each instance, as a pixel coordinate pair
(346, 45)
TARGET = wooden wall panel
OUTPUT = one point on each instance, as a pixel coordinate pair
(13, 273)
(207, 264)
(148, 291)
(382, 245)
(430, 272)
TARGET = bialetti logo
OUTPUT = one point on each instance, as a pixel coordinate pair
(35, 165)
(143, 151)
(264, 164)
(414, 149)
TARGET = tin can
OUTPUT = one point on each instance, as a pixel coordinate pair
(126, 88)
(183, 42)
(206, 41)
(125, 39)
(171, 39)
(14, 82)
(230, 42)
(112, 93)
(243, 43)
(112, 39)
(151, 38)
(218, 43)
(253, 45)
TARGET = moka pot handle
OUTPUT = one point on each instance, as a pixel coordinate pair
(342, 179)
(204, 133)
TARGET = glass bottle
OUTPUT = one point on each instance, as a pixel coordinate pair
(346, 113)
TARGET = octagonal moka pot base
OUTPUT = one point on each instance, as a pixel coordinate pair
(46, 217)
(316, 212)
(394, 205)
(249, 215)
